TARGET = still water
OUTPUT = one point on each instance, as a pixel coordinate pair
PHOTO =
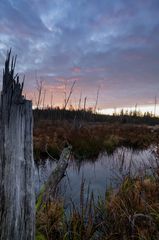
(100, 174)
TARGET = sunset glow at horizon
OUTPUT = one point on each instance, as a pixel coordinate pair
(142, 109)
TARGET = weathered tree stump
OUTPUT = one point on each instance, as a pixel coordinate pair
(17, 197)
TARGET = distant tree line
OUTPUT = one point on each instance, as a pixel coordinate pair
(131, 117)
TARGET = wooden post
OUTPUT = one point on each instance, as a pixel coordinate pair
(48, 191)
(17, 197)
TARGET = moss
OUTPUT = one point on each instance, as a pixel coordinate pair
(39, 199)
(40, 236)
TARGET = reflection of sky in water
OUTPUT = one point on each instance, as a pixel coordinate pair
(100, 175)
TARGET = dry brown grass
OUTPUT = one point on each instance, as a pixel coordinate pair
(130, 213)
(90, 139)
(49, 224)
(133, 212)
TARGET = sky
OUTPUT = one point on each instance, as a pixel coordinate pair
(111, 44)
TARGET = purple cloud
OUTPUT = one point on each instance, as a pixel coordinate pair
(110, 43)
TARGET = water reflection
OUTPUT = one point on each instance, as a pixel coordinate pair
(105, 172)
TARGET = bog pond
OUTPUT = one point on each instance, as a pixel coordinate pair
(106, 172)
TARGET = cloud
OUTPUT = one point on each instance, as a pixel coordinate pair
(113, 43)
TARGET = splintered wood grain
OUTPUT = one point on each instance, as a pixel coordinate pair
(17, 198)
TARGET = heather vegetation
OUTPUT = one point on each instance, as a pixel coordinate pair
(92, 135)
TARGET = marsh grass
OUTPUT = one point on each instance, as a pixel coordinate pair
(129, 212)
(81, 221)
(89, 140)
(49, 221)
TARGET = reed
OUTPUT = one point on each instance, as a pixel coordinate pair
(129, 212)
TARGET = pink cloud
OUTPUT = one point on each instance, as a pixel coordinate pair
(76, 69)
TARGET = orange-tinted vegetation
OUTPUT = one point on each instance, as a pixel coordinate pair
(130, 212)
(89, 139)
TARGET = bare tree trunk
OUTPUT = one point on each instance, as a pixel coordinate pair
(44, 99)
(79, 103)
(49, 189)
(69, 95)
(17, 198)
(51, 100)
(40, 85)
(85, 101)
(96, 103)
